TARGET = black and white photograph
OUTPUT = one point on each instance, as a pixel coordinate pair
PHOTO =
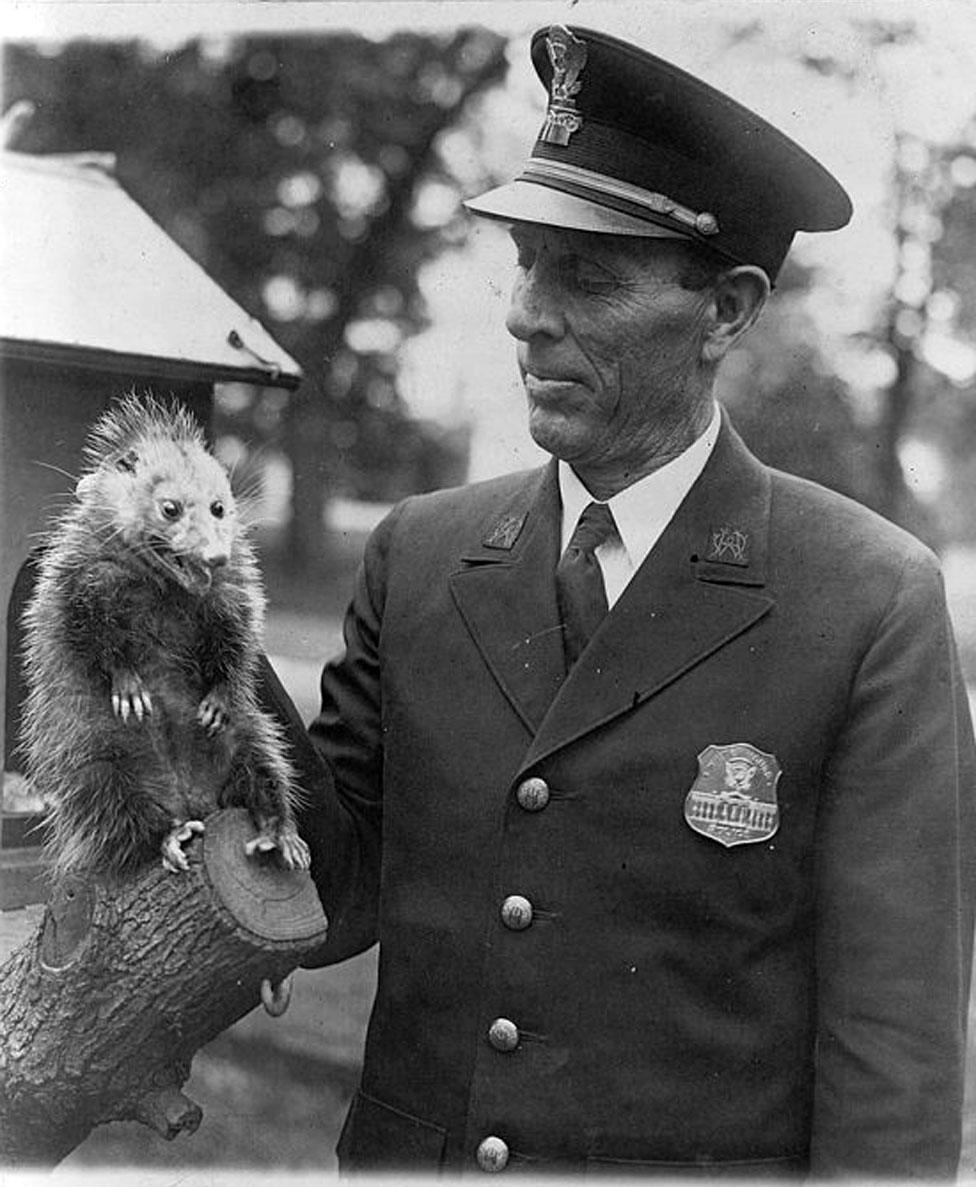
(488, 539)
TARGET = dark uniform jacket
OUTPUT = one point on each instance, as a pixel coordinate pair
(566, 964)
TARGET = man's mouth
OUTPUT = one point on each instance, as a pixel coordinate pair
(546, 388)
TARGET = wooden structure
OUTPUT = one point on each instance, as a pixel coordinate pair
(97, 299)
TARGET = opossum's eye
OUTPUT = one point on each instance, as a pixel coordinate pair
(171, 509)
(217, 509)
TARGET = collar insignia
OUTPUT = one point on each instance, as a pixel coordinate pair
(728, 545)
(733, 799)
(568, 57)
(505, 532)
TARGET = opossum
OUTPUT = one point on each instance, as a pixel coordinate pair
(141, 657)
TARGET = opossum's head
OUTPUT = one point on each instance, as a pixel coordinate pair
(153, 486)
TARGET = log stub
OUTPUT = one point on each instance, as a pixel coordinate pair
(103, 1009)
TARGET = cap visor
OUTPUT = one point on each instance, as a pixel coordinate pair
(528, 202)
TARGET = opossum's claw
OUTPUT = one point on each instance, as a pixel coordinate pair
(293, 852)
(213, 713)
(174, 859)
(130, 697)
(260, 844)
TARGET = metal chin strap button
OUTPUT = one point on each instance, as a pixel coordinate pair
(533, 794)
(492, 1154)
(516, 912)
(503, 1034)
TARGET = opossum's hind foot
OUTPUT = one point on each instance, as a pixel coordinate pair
(130, 697)
(213, 712)
(293, 853)
(174, 859)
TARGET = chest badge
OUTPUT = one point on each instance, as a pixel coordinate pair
(733, 798)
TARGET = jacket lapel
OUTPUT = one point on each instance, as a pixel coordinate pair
(506, 595)
(700, 586)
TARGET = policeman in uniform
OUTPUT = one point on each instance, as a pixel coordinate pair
(651, 771)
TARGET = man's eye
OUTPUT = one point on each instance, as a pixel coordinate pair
(590, 278)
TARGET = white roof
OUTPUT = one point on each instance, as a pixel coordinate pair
(90, 278)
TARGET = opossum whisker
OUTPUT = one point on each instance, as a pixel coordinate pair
(251, 482)
(251, 513)
(232, 468)
(105, 533)
(256, 453)
(249, 505)
(56, 469)
(258, 520)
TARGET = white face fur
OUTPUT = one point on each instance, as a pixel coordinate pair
(171, 503)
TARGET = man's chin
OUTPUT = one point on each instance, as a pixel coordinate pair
(557, 434)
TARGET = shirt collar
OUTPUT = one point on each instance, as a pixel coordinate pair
(644, 509)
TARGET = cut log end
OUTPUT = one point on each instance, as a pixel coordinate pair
(264, 898)
(169, 1113)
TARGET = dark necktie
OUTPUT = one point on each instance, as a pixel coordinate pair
(580, 591)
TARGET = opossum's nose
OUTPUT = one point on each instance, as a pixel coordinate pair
(216, 559)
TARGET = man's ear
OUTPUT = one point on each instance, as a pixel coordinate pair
(737, 300)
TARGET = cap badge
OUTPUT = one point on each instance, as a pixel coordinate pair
(733, 798)
(568, 57)
(505, 532)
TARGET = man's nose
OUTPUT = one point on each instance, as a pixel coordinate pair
(534, 307)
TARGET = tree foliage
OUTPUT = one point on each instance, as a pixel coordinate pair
(909, 431)
(792, 408)
(307, 176)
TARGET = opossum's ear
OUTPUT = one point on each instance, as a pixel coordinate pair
(127, 462)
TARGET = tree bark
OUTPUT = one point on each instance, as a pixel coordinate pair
(103, 1009)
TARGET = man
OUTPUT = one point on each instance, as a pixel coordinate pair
(686, 885)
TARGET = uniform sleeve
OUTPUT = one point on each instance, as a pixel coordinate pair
(895, 891)
(340, 764)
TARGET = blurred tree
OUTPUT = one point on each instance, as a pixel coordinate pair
(792, 408)
(912, 417)
(930, 310)
(945, 325)
(306, 176)
(927, 330)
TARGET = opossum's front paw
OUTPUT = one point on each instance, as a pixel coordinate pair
(174, 859)
(293, 853)
(130, 697)
(213, 713)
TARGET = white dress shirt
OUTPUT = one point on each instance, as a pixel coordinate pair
(641, 511)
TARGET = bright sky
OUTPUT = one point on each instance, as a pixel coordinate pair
(463, 366)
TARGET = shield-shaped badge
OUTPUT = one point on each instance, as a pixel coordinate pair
(733, 799)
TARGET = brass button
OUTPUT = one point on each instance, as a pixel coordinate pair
(503, 1034)
(516, 912)
(492, 1154)
(533, 794)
